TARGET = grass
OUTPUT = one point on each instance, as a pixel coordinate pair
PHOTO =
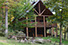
(65, 42)
(5, 41)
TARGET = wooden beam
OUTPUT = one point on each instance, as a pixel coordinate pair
(52, 31)
(39, 8)
(36, 11)
(45, 15)
(43, 11)
(27, 27)
(35, 28)
(56, 31)
(44, 26)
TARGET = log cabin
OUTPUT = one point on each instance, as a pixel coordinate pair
(41, 27)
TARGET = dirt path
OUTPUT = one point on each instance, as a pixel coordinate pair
(3, 41)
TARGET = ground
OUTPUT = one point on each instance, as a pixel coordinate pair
(5, 41)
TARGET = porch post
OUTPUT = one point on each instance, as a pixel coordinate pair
(53, 31)
(56, 31)
(35, 28)
(44, 26)
(27, 27)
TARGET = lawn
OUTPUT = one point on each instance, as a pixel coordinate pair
(5, 41)
(65, 42)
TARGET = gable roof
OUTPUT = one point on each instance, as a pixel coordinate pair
(32, 6)
(42, 8)
(35, 5)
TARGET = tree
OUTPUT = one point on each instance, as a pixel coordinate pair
(60, 8)
(20, 10)
(6, 19)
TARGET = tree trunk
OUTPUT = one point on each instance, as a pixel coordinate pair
(6, 21)
(2, 16)
(64, 35)
(67, 35)
(60, 43)
(61, 23)
(27, 33)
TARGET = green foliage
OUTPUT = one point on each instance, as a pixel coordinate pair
(56, 6)
(60, 9)
(56, 40)
(19, 10)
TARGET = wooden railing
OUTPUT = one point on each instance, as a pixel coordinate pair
(41, 24)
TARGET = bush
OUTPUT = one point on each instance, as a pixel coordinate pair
(2, 34)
